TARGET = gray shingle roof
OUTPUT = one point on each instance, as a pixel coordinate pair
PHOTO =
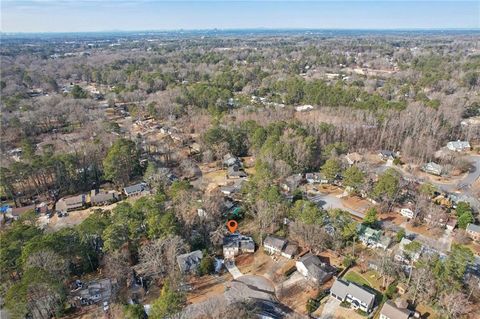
(316, 269)
(190, 261)
(103, 197)
(361, 293)
(392, 312)
(474, 228)
(134, 188)
(340, 288)
(275, 242)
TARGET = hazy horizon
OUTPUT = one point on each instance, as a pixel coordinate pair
(68, 16)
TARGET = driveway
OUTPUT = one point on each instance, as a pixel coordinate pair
(331, 201)
(233, 269)
(330, 308)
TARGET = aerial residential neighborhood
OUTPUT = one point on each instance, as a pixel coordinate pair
(215, 169)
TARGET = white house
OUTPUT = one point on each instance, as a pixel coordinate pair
(358, 297)
(236, 244)
(311, 267)
(316, 178)
(403, 255)
(458, 146)
(274, 245)
(432, 168)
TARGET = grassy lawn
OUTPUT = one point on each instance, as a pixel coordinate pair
(362, 280)
(355, 277)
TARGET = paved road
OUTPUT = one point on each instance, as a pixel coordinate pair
(327, 201)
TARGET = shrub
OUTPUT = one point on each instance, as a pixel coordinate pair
(207, 265)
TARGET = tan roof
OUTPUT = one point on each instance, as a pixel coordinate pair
(355, 157)
(390, 311)
(75, 200)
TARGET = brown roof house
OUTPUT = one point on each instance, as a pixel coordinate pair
(391, 311)
(279, 246)
(66, 204)
(98, 198)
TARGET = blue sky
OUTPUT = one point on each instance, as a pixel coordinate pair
(127, 15)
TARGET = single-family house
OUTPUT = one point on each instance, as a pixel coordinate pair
(386, 155)
(66, 204)
(233, 188)
(452, 222)
(473, 231)
(458, 146)
(316, 178)
(15, 212)
(432, 168)
(235, 171)
(404, 255)
(189, 262)
(290, 250)
(311, 267)
(353, 158)
(358, 297)
(98, 198)
(231, 160)
(391, 311)
(135, 190)
(372, 238)
(93, 292)
(274, 245)
(406, 212)
(292, 182)
(236, 244)
(368, 236)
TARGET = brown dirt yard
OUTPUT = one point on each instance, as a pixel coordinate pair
(206, 287)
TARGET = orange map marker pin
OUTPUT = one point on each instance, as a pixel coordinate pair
(232, 225)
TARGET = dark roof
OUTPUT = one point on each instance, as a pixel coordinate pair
(236, 171)
(291, 249)
(316, 269)
(275, 242)
(103, 197)
(135, 188)
(387, 153)
(190, 261)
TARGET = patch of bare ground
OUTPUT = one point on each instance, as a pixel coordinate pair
(356, 203)
(296, 296)
(205, 287)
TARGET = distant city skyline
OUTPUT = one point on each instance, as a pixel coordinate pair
(137, 15)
